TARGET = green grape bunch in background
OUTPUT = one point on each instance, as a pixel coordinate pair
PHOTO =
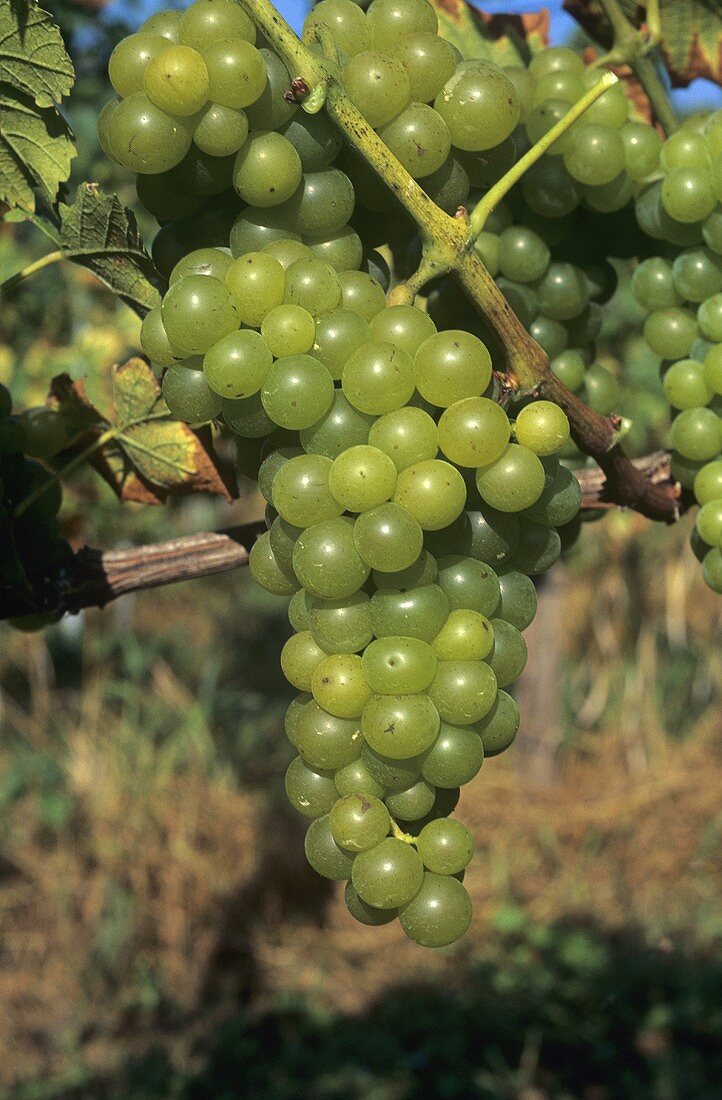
(382, 269)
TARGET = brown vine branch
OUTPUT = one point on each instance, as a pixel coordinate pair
(93, 578)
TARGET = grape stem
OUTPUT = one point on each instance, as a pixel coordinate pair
(635, 48)
(93, 578)
(495, 194)
(37, 265)
(400, 834)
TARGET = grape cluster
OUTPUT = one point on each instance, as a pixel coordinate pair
(406, 510)
(31, 550)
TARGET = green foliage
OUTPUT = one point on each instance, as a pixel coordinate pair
(36, 145)
(504, 39)
(98, 232)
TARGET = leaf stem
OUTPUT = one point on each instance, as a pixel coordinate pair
(37, 265)
(634, 48)
(495, 194)
(76, 461)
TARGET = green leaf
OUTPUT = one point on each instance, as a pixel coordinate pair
(142, 452)
(36, 145)
(36, 149)
(504, 39)
(98, 232)
(690, 33)
(33, 58)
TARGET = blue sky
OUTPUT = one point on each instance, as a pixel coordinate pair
(701, 95)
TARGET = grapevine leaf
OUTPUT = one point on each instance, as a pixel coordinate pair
(690, 33)
(505, 39)
(98, 232)
(146, 456)
(36, 149)
(33, 58)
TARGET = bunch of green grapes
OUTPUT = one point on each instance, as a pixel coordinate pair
(683, 299)
(31, 550)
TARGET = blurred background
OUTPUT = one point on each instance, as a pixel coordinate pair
(160, 933)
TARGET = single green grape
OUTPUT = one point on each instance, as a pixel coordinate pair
(479, 104)
(388, 875)
(451, 366)
(273, 108)
(523, 255)
(508, 655)
(469, 584)
(542, 427)
(555, 59)
(176, 80)
(301, 493)
(419, 139)
(708, 482)
(429, 60)
(154, 340)
(709, 523)
(288, 330)
(283, 537)
(595, 154)
(493, 536)
(340, 625)
(653, 285)
(188, 395)
(455, 757)
(399, 666)
(518, 602)
(202, 261)
(163, 23)
(712, 569)
(474, 431)
(311, 791)
(257, 282)
(345, 22)
(341, 428)
(404, 326)
(287, 251)
(325, 741)
(391, 20)
(247, 417)
(433, 492)
(324, 854)
(407, 435)
(671, 332)
(44, 431)
(144, 138)
(322, 204)
(236, 72)
(500, 726)
(391, 774)
(378, 378)
(687, 194)
(314, 285)
(709, 319)
(266, 570)
(445, 846)
(410, 613)
(439, 914)
(696, 434)
(713, 368)
(314, 137)
(339, 685)
(362, 294)
(465, 636)
(359, 822)
(362, 477)
(685, 385)
(412, 804)
(237, 365)
(197, 312)
(326, 561)
(355, 778)
(463, 691)
(339, 334)
(297, 391)
(399, 726)
(388, 538)
(267, 169)
(220, 131)
(209, 21)
(342, 250)
(563, 292)
(378, 85)
(642, 148)
(513, 482)
(130, 59)
(300, 657)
